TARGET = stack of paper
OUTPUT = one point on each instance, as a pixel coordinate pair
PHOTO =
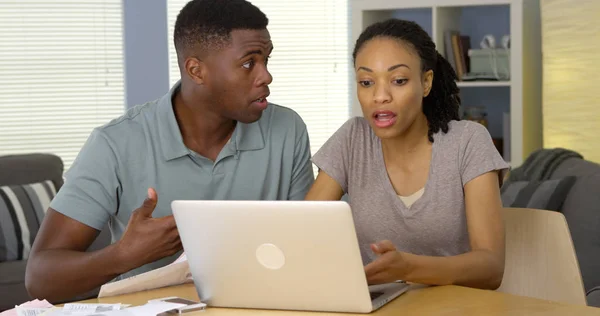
(83, 309)
(175, 273)
(43, 308)
(150, 308)
(31, 308)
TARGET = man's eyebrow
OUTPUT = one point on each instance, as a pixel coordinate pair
(252, 52)
(389, 69)
(255, 52)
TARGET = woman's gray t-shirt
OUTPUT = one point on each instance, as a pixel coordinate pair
(435, 224)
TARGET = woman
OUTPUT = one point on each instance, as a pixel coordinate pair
(423, 185)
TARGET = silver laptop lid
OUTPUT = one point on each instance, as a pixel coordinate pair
(298, 255)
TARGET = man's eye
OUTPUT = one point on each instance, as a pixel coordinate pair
(248, 64)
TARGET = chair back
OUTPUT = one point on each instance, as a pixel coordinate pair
(540, 257)
(31, 168)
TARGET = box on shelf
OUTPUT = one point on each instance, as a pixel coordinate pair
(495, 62)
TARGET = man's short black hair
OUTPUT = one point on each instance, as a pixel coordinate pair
(208, 23)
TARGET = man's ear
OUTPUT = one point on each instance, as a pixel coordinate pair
(195, 69)
(427, 82)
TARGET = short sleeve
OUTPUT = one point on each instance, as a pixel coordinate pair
(302, 172)
(479, 155)
(334, 156)
(89, 194)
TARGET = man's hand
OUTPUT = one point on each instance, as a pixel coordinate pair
(59, 268)
(390, 265)
(147, 239)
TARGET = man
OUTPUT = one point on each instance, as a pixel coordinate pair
(213, 136)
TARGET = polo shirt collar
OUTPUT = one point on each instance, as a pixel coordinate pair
(171, 140)
(249, 136)
(246, 136)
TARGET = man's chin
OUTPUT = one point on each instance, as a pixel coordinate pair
(250, 118)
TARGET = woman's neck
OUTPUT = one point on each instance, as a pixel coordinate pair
(408, 144)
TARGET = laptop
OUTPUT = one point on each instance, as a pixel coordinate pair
(282, 255)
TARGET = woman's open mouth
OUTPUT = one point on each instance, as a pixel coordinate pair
(384, 118)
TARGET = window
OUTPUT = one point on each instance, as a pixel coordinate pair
(61, 73)
(309, 63)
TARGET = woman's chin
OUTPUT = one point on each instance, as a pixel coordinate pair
(386, 133)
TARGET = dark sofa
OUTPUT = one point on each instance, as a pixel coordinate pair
(25, 169)
(582, 212)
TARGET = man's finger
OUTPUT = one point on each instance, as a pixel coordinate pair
(177, 245)
(149, 203)
(168, 222)
(174, 234)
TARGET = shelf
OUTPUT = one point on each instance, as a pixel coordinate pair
(513, 106)
(467, 84)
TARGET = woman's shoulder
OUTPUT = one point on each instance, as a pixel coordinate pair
(465, 126)
(356, 123)
(356, 127)
(462, 131)
(355, 135)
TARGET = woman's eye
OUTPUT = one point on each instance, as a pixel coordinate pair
(248, 64)
(400, 81)
(365, 83)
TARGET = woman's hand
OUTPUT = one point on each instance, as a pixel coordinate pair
(390, 265)
(481, 267)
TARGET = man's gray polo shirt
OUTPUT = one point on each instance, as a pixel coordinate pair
(265, 160)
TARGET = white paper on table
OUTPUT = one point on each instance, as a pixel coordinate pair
(34, 307)
(154, 308)
(31, 311)
(78, 308)
(175, 273)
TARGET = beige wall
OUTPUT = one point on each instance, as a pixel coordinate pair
(571, 82)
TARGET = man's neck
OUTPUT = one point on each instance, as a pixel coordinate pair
(409, 144)
(202, 130)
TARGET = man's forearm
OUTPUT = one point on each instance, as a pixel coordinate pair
(58, 274)
(479, 269)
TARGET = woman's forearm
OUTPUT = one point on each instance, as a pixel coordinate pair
(478, 268)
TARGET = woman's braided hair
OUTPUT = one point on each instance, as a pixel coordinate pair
(443, 102)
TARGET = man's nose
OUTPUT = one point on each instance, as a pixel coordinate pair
(264, 78)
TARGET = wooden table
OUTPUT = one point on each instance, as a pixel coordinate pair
(442, 300)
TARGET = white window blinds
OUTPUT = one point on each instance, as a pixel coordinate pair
(61, 73)
(309, 63)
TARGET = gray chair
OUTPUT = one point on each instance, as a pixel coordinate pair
(24, 169)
